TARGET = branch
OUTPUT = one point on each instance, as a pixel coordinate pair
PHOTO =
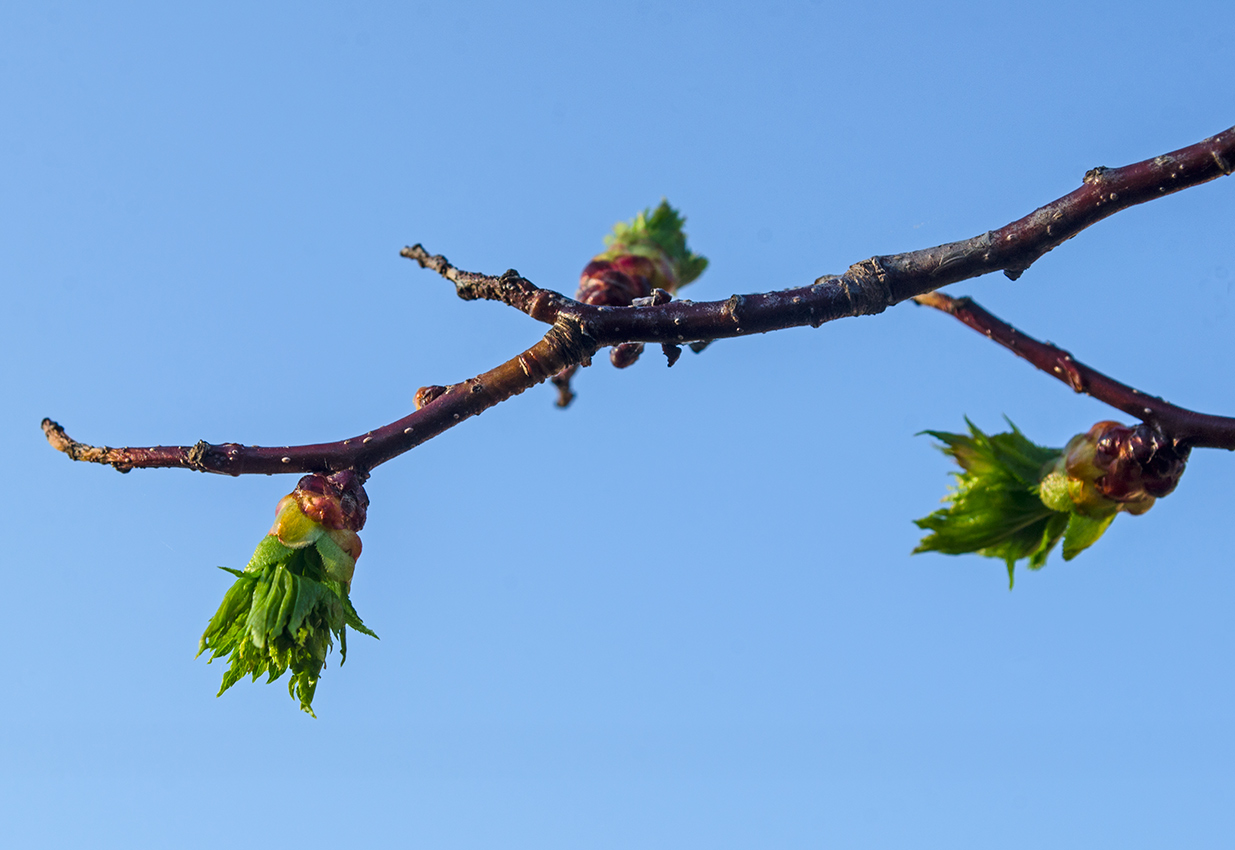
(564, 345)
(579, 330)
(873, 285)
(1185, 428)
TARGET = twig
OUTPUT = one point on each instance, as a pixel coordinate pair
(509, 288)
(1185, 428)
(579, 330)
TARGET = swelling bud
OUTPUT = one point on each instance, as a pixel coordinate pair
(1111, 468)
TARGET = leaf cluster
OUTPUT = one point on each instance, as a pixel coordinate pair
(659, 229)
(996, 508)
(282, 614)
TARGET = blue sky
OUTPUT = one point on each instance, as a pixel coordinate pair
(682, 613)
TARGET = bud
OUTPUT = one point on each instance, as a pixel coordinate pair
(653, 247)
(292, 599)
(1113, 467)
(619, 281)
(645, 258)
(426, 395)
(624, 355)
(1015, 500)
(333, 507)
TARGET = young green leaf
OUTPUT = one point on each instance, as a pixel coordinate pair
(1082, 533)
(657, 234)
(281, 617)
(995, 509)
(1014, 499)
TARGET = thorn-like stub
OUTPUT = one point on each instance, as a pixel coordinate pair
(672, 352)
(55, 435)
(565, 395)
(1071, 374)
(658, 297)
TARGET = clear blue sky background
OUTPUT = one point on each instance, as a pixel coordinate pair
(682, 613)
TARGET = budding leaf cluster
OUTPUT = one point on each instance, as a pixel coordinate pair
(289, 605)
(657, 235)
(281, 614)
(1016, 500)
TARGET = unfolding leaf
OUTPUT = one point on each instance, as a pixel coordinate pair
(1082, 533)
(994, 509)
(282, 615)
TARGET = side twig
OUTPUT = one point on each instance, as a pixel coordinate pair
(510, 287)
(1184, 428)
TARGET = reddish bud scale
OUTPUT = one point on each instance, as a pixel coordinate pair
(335, 505)
(619, 280)
(337, 501)
(1130, 466)
(625, 355)
(426, 395)
(1138, 462)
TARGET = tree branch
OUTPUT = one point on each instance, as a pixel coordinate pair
(1184, 428)
(565, 344)
(579, 330)
(873, 285)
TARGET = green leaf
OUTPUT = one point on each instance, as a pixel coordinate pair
(235, 606)
(336, 563)
(282, 614)
(269, 551)
(1082, 533)
(310, 595)
(994, 509)
(353, 619)
(659, 231)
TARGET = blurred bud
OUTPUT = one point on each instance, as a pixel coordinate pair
(645, 258)
(626, 354)
(617, 282)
